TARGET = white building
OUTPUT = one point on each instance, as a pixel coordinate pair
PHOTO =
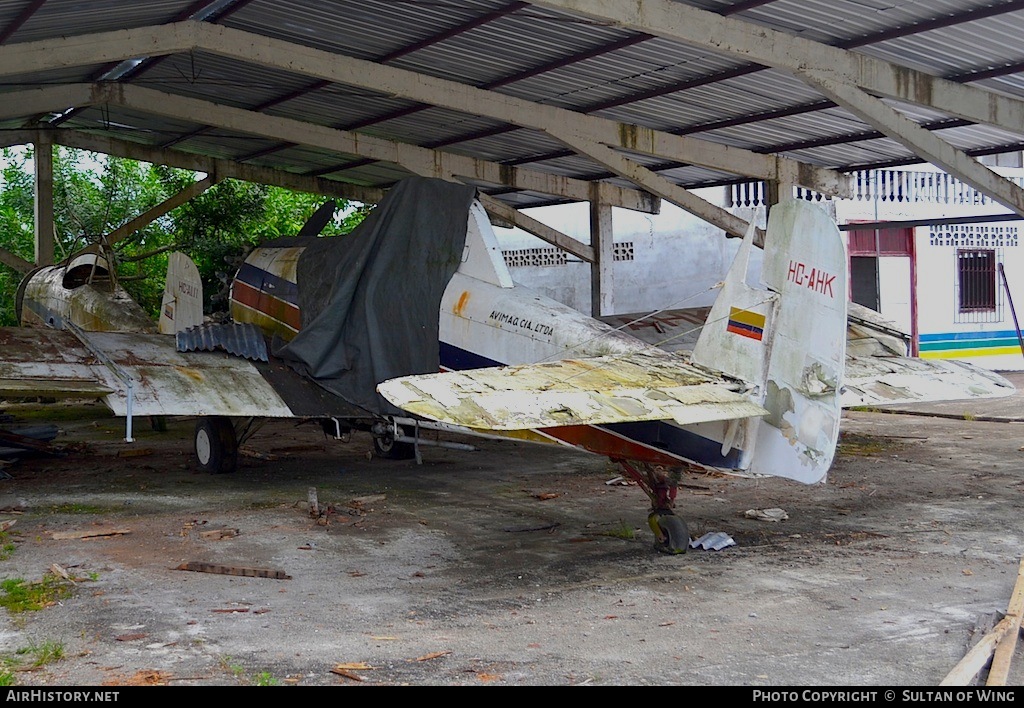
(951, 275)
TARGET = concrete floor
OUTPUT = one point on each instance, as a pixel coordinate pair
(512, 565)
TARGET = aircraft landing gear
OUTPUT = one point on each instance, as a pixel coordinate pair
(385, 445)
(671, 534)
(216, 444)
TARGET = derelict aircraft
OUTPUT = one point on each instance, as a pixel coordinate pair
(412, 322)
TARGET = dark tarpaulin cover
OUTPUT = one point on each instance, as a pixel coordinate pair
(370, 300)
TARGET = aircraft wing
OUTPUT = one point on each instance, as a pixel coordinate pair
(878, 372)
(147, 369)
(599, 390)
(890, 380)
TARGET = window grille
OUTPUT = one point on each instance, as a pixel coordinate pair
(978, 296)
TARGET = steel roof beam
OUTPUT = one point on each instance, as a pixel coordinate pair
(225, 169)
(921, 141)
(416, 159)
(637, 173)
(265, 51)
(676, 21)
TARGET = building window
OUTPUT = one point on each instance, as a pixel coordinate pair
(978, 295)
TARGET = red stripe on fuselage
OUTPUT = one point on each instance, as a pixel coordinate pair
(264, 302)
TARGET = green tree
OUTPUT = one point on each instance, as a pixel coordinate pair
(94, 194)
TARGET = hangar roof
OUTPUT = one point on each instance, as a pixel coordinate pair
(534, 102)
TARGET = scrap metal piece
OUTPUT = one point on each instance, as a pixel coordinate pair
(713, 541)
(241, 339)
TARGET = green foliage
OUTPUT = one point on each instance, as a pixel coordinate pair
(7, 545)
(21, 596)
(623, 531)
(94, 194)
(37, 656)
(261, 678)
(42, 654)
(265, 678)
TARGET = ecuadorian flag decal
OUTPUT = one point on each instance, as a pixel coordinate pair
(745, 323)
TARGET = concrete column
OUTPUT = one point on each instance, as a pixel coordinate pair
(44, 200)
(601, 290)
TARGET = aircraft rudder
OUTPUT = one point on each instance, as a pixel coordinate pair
(805, 262)
(182, 305)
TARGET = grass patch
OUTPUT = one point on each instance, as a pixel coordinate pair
(34, 656)
(19, 596)
(42, 654)
(7, 546)
(77, 509)
(623, 531)
(865, 445)
(262, 678)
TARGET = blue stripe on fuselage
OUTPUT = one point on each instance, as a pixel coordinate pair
(658, 434)
(281, 288)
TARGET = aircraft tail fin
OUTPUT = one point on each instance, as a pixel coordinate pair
(787, 340)
(182, 305)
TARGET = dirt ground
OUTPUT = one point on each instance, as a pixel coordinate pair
(511, 565)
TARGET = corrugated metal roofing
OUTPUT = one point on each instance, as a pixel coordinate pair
(530, 52)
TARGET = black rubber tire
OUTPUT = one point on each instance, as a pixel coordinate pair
(216, 445)
(386, 447)
(671, 534)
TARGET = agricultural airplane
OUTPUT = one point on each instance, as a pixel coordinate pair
(413, 322)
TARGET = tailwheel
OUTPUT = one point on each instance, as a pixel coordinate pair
(216, 444)
(670, 532)
(385, 445)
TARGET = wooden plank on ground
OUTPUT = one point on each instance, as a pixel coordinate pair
(1000, 669)
(94, 533)
(981, 653)
(201, 567)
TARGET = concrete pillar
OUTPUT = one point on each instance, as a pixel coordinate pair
(601, 290)
(44, 200)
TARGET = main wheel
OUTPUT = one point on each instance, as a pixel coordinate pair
(385, 445)
(670, 532)
(216, 445)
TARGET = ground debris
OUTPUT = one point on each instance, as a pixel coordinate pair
(365, 503)
(201, 567)
(135, 452)
(218, 534)
(256, 454)
(146, 677)
(716, 540)
(772, 514)
(70, 535)
(432, 655)
(348, 670)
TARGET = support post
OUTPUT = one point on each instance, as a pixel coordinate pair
(601, 240)
(44, 236)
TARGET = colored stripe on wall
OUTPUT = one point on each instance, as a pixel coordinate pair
(964, 345)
